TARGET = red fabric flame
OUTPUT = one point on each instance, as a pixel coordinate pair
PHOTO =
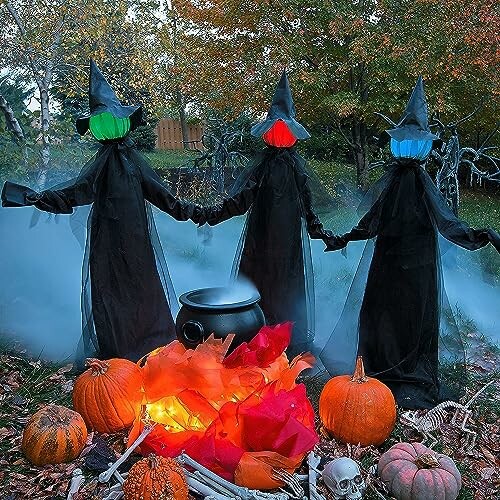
(263, 349)
(236, 416)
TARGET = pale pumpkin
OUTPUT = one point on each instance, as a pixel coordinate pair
(357, 409)
(414, 472)
(109, 394)
(156, 478)
(54, 435)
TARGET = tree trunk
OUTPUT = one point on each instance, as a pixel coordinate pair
(183, 120)
(44, 128)
(11, 120)
(359, 148)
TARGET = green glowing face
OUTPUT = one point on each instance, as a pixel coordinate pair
(105, 126)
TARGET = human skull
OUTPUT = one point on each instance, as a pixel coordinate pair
(343, 478)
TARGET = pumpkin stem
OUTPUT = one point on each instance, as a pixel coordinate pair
(427, 461)
(97, 366)
(359, 371)
(153, 461)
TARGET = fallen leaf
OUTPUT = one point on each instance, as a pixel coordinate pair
(488, 455)
(487, 472)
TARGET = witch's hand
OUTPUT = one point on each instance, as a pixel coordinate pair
(335, 242)
(55, 202)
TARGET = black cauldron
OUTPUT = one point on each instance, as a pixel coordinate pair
(221, 310)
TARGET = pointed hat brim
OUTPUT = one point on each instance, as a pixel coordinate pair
(411, 132)
(259, 129)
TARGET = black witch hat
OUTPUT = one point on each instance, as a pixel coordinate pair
(102, 99)
(414, 123)
(282, 108)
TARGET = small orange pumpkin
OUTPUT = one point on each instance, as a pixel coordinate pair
(109, 394)
(357, 409)
(54, 435)
(156, 478)
(414, 472)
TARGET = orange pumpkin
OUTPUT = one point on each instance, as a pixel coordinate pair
(414, 472)
(53, 435)
(357, 409)
(109, 394)
(156, 478)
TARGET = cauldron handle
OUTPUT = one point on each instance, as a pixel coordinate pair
(193, 332)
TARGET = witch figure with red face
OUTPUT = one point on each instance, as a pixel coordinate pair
(274, 251)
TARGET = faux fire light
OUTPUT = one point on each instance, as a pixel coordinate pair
(241, 416)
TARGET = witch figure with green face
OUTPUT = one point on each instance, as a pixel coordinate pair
(396, 308)
(126, 287)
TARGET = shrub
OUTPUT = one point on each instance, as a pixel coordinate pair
(144, 137)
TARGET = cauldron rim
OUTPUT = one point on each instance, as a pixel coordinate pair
(186, 300)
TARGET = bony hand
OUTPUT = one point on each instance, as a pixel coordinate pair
(335, 242)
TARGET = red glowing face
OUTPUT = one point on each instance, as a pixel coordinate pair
(279, 135)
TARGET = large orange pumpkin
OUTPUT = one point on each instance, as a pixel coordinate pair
(156, 478)
(357, 409)
(414, 472)
(53, 435)
(109, 394)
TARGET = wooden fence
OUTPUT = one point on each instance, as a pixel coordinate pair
(169, 135)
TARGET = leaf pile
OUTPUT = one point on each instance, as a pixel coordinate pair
(26, 385)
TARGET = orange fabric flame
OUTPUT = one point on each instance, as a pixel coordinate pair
(240, 415)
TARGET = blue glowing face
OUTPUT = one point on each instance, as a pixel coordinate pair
(411, 148)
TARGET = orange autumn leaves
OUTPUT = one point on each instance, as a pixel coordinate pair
(238, 415)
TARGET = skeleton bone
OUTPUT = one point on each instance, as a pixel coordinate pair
(292, 481)
(114, 494)
(436, 417)
(121, 478)
(105, 476)
(237, 492)
(199, 476)
(76, 483)
(203, 489)
(313, 462)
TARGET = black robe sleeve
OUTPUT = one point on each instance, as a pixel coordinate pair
(232, 206)
(157, 193)
(452, 228)
(366, 229)
(57, 201)
(314, 226)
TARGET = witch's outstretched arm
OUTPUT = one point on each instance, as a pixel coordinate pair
(57, 201)
(315, 228)
(157, 193)
(366, 228)
(232, 206)
(452, 228)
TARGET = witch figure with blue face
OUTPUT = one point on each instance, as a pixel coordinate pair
(396, 307)
(126, 288)
(276, 190)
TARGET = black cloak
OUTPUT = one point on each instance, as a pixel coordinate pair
(126, 288)
(397, 330)
(274, 251)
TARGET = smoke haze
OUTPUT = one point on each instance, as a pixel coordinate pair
(40, 269)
